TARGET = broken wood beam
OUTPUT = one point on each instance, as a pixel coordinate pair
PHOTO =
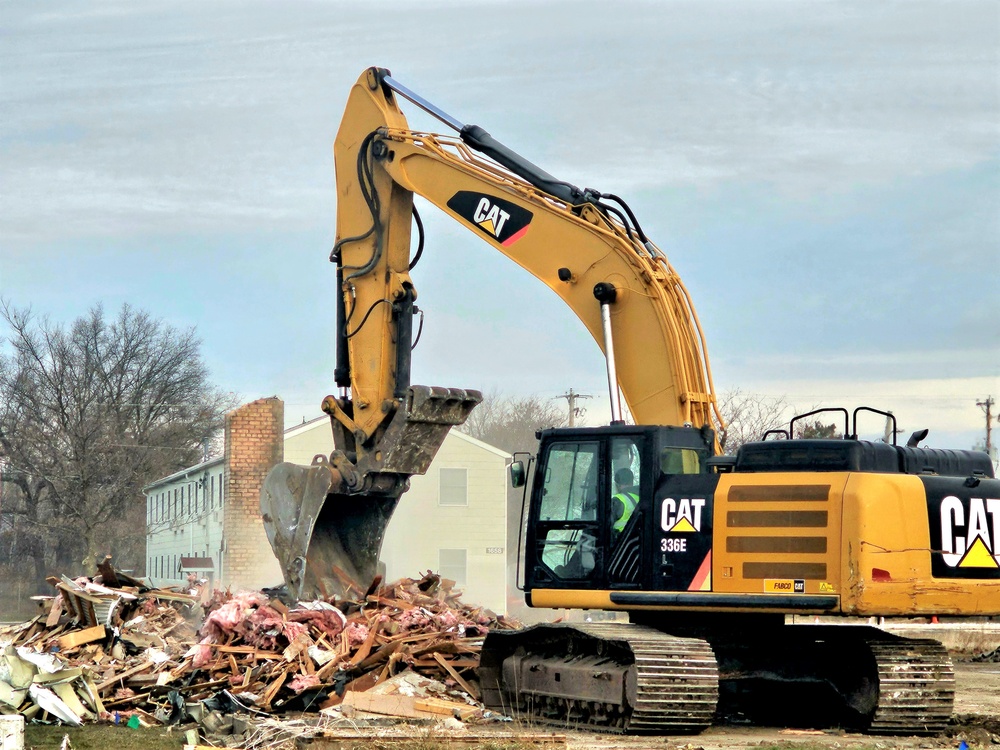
(79, 637)
(467, 687)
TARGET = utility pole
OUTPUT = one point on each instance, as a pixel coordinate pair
(987, 407)
(574, 410)
(889, 434)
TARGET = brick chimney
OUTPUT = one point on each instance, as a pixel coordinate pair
(254, 445)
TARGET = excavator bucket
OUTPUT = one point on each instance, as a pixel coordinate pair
(326, 522)
(325, 541)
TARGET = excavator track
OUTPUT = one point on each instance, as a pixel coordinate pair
(857, 677)
(637, 679)
(916, 687)
(602, 676)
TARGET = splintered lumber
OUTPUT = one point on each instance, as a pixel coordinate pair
(121, 676)
(394, 704)
(456, 676)
(445, 708)
(79, 637)
(366, 647)
(55, 612)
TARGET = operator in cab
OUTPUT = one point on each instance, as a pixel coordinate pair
(624, 501)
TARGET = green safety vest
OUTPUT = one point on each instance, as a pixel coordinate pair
(629, 500)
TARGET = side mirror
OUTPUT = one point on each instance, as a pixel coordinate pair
(517, 474)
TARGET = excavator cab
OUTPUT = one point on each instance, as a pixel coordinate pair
(585, 530)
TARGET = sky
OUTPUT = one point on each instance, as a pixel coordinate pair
(823, 175)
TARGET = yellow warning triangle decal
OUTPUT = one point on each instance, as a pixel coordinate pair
(488, 226)
(682, 525)
(978, 556)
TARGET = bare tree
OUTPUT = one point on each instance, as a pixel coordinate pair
(748, 416)
(89, 413)
(510, 422)
(816, 429)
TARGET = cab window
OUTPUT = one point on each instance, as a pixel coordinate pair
(569, 492)
(680, 461)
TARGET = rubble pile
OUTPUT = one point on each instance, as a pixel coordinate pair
(111, 648)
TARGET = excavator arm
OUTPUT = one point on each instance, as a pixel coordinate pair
(585, 246)
(575, 241)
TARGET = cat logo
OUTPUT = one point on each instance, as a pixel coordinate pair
(503, 221)
(490, 217)
(970, 541)
(681, 516)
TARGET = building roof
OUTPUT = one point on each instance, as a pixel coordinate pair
(306, 426)
(480, 444)
(196, 469)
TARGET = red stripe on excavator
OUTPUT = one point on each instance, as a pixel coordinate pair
(704, 571)
(515, 237)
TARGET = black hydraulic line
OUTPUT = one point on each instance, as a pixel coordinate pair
(366, 182)
(335, 253)
(364, 320)
(625, 206)
(420, 238)
(420, 328)
(606, 209)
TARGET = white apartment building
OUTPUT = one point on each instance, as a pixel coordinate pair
(453, 520)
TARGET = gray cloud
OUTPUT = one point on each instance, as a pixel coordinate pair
(143, 117)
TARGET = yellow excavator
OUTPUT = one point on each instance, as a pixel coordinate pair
(714, 552)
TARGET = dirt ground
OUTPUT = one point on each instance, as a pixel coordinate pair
(977, 722)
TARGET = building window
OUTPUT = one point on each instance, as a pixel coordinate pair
(454, 487)
(212, 486)
(452, 564)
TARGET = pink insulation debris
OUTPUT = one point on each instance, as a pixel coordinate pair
(328, 621)
(357, 633)
(303, 682)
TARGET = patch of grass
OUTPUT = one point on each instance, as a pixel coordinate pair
(101, 737)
